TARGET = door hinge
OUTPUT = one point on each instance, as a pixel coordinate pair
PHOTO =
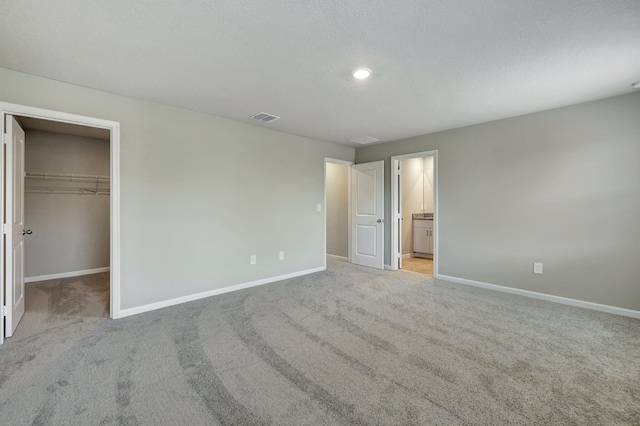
(4, 138)
(5, 228)
(5, 309)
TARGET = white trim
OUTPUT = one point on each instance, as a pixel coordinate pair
(408, 255)
(336, 161)
(66, 274)
(387, 267)
(346, 259)
(542, 296)
(114, 186)
(114, 131)
(324, 171)
(423, 256)
(2, 222)
(184, 299)
(394, 248)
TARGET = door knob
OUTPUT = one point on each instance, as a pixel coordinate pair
(379, 221)
(28, 232)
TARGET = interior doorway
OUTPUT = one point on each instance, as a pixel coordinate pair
(414, 212)
(337, 178)
(357, 189)
(367, 214)
(63, 183)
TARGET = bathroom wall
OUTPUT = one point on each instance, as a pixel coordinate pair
(428, 184)
(416, 193)
(412, 171)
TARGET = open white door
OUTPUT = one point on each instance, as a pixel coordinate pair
(367, 214)
(14, 216)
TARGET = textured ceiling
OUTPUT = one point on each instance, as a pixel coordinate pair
(436, 64)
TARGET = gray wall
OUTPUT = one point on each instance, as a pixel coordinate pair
(200, 194)
(560, 187)
(337, 209)
(70, 232)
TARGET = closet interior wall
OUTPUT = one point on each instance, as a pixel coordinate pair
(69, 217)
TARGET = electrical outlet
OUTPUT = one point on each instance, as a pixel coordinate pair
(253, 259)
(537, 268)
(281, 255)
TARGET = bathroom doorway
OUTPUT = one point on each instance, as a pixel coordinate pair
(414, 195)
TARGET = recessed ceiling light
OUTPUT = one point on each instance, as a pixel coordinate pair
(636, 85)
(361, 73)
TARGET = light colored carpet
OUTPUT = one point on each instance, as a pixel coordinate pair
(350, 345)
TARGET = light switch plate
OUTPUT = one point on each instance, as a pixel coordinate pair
(253, 259)
(537, 268)
(319, 207)
(281, 255)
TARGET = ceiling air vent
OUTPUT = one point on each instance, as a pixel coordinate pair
(264, 117)
(365, 140)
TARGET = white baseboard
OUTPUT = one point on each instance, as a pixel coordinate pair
(543, 296)
(346, 259)
(422, 256)
(184, 299)
(406, 256)
(66, 274)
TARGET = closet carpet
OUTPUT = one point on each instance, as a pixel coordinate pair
(350, 345)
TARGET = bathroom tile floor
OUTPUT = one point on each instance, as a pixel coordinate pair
(418, 264)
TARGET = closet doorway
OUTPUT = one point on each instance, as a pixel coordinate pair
(337, 207)
(414, 207)
(58, 191)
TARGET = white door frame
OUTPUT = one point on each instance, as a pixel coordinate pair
(395, 208)
(348, 164)
(114, 128)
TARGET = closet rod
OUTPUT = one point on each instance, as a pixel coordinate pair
(58, 190)
(65, 176)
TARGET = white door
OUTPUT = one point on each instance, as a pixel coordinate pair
(14, 190)
(367, 214)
